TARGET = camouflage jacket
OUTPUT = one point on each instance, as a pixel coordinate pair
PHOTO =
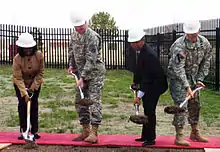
(189, 65)
(84, 54)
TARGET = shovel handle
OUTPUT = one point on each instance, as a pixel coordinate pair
(28, 114)
(136, 109)
(80, 90)
(25, 134)
(75, 76)
(81, 93)
(28, 108)
(188, 97)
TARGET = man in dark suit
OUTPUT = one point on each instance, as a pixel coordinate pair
(149, 81)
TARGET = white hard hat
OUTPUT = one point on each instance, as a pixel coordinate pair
(191, 27)
(26, 40)
(77, 18)
(135, 35)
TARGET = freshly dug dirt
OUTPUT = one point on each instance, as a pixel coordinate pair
(19, 148)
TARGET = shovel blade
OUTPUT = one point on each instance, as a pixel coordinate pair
(139, 119)
(85, 102)
(174, 109)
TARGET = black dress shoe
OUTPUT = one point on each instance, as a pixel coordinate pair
(148, 143)
(20, 137)
(139, 139)
(36, 136)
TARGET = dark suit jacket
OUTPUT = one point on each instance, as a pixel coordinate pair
(148, 72)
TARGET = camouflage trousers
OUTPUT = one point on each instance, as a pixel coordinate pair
(178, 94)
(93, 90)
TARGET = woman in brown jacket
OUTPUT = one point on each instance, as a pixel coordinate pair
(28, 72)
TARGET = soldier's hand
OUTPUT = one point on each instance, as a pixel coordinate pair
(80, 83)
(137, 101)
(189, 92)
(200, 84)
(70, 69)
(27, 98)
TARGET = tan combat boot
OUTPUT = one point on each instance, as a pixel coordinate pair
(195, 135)
(93, 136)
(180, 138)
(84, 134)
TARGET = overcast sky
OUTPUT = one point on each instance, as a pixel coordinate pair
(127, 13)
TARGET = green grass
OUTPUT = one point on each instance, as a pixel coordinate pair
(58, 91)
(117, 87)
(210, 106)
(56, 117)
(54, 104)
(6, 87)
(13, 120)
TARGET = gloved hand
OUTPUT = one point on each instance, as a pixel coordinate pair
(27, 98)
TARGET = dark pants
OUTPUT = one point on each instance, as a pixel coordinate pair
(22, 111)
(150, 100)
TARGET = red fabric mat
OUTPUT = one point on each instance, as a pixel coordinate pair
(106, 140)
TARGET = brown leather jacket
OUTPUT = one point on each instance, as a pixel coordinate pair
(28, 72)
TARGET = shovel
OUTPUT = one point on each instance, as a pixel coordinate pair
(29, 139)
(137, 118)
(83, 101)
(180, 108)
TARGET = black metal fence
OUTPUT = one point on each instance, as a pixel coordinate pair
(54, 42)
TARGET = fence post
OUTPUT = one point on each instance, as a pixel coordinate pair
(125, 48)
(217, 80)
(174, 35)
(158, 46)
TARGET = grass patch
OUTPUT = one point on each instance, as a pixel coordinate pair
(210, 106)
(57, 104)
(123, 117)
(113, 106)
(13, 120)
(165, 99)
(116, 87)
(108, 116)
(6, 70)
(57, 118)
(6, 84)
(50, 90)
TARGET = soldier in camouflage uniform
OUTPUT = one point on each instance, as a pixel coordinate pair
(85, 60)
(189, 64)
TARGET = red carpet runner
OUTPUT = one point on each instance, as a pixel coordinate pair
(106, 140)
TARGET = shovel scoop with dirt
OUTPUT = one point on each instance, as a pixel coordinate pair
(180, 108)
(137, 118)
(83, 101)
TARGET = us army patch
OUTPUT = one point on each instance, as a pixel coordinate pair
(180, 56)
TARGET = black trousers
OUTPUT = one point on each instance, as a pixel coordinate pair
(150, 100)
(22, 111)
